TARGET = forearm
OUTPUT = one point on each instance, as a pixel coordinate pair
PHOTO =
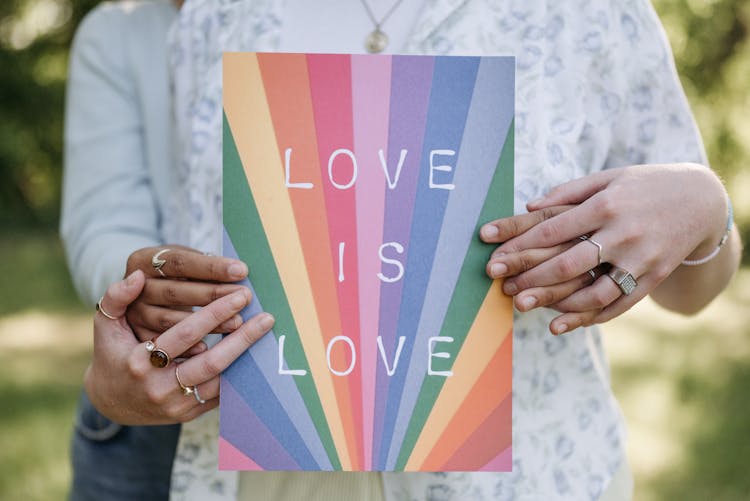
(688, 289)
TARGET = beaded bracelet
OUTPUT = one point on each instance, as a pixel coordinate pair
(730, 222)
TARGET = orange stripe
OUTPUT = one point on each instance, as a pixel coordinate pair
(482, 342)
(491, 438)
(484, 398)
(247, 112)
(287, 88)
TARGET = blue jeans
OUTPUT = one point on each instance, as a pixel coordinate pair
(116, 462)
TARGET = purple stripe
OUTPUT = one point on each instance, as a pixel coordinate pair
(410, 92)
(260, 445)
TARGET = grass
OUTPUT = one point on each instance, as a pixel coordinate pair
(44, 349)
(683, 384)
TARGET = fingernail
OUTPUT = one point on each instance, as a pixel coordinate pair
(266, 321)
(497, 270)
(130, 281)
(562, 329)
(238, 299)
(537, 201)
(528, 302)
(237, 270)
(510, 288)
(490, 231)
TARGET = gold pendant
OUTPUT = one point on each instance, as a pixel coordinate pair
(376, 41)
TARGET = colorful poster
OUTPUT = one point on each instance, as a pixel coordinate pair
(354, 189)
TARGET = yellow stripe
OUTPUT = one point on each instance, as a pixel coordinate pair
(491, 325)
(247, 112)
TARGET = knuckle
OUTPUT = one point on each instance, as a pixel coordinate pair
(567, 266)
(217, 314)
(661, 272)
(183, 333)
(155, 396)
(174, 413)
(524, 261)
(606, 207)
(549, 232)
(170, 295)
(136, 367)
(600, 298)
(165, 322)
(177, 261)
(514, 226)
(251, 334)
(214, 272)
(216, 293)
(546, 296)
(548, 213)
(210, 365)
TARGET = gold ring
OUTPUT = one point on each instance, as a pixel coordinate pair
(158, 357)
(186, 390)
(158, 263)
(101, 310)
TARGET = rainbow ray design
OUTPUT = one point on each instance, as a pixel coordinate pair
(354, 188)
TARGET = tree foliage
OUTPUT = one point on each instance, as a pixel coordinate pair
(35, 36)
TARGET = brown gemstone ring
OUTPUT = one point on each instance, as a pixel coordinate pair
(158, 357)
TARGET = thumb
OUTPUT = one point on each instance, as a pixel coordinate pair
(120, 294)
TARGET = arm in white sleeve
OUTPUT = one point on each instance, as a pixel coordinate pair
(109, 207)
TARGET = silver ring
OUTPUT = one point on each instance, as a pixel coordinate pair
(186, 390)
(586, 238)
(158, 263)
(624, 280)
(197, 396)
(101, 310)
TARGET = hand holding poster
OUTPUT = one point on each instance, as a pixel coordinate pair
(354, 187)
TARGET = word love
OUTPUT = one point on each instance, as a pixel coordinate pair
(343, 178)
(390, 369)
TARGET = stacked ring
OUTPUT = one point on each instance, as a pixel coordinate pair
(197, 396)
(158, 357)
(157, 263)
(186, 390)
(586, 238)
(101, 310)
(624, 280)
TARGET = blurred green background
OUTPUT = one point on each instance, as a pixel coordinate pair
(683, 383)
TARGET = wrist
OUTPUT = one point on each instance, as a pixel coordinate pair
(717, 224)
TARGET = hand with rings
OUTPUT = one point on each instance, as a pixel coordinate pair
(130, 385)
(627, 228)
(177, 279)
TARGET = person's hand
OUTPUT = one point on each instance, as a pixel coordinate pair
(188, 278)
(506, 265)
(122, 383)
(647, 219)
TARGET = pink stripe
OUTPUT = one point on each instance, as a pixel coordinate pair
(371, 82)
(502, 462)
(230, 458)
(331, 90)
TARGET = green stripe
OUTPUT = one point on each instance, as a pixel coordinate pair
(471, 289)
(245, 228)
